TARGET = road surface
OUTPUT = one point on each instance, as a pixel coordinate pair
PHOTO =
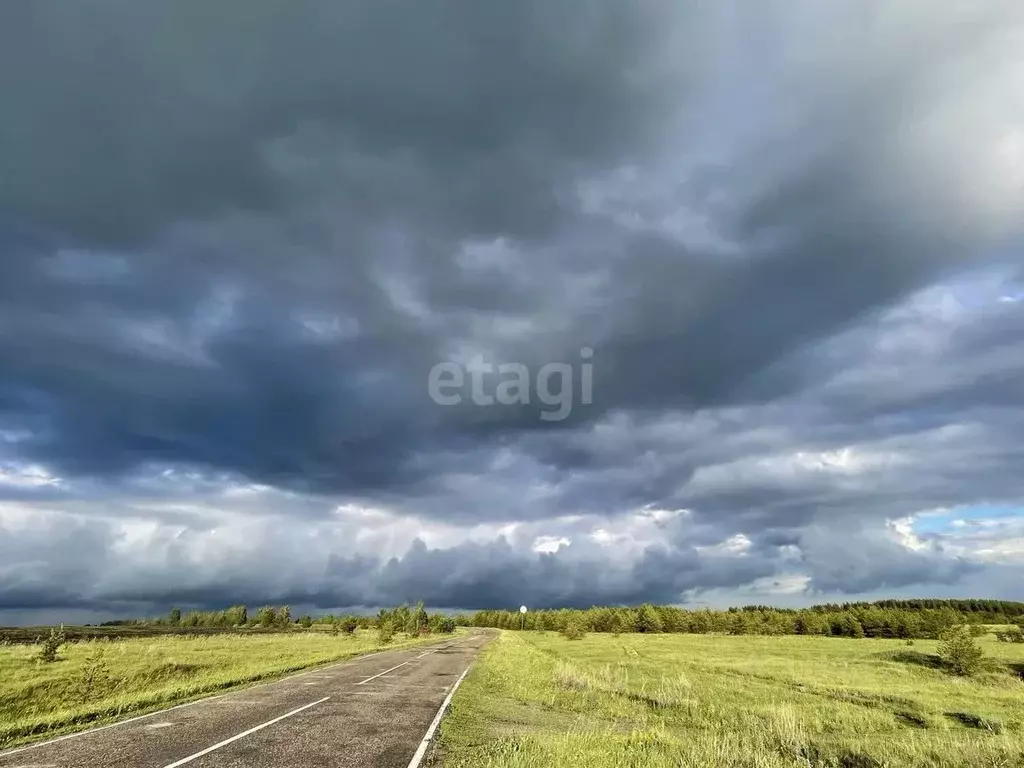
(372, 711)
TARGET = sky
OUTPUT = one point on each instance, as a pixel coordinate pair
(553, 302)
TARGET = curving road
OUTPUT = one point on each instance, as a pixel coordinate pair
(370, 711)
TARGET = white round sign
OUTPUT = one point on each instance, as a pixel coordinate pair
(522, 609)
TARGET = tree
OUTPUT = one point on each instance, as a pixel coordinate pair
(648, 619)
(855, 627)
(284, 616)
(620, 623)
(959, 651)
(174, 619)
(51, 645)
(385, 631)
(418, 619)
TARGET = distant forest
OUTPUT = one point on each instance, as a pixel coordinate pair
(921, 618)
(925, 618)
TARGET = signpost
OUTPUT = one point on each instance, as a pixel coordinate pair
(522, 617)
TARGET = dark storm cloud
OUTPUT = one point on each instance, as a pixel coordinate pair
(273, 561)
(127, 117)
(235, 239)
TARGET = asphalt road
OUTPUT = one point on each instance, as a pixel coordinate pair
(371, 711)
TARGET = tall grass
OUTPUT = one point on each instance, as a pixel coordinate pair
(98, 680)
(765, 702)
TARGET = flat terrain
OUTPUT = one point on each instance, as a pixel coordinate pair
(97, 680)
(537, 699)
(129, 631)
(370, 711)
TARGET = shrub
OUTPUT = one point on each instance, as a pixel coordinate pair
(51, 645)
(959, 651)
(306, 622)
(573, 629)
(93, 679)
(446, 625)
(385, 631)
(1012, 635)
(568, 677)
(349, 624)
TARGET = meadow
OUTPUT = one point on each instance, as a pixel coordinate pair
(651, 700)
(99, 680)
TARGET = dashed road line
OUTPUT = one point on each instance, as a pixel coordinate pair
(381, 674)
(243, 734)
(15, 751)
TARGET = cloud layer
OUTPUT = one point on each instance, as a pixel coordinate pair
(234, 244)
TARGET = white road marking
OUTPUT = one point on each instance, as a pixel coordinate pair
(111, 725)
(324, 668)
(243, 734)
(381, 674)
(404, 663)
(161, 725)
(421, 751)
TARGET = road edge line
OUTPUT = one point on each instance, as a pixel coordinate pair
(421, 750)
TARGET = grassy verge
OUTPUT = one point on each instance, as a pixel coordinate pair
(536, 699)
(98, 681)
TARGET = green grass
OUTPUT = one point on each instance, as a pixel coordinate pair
(537, 699)
(96, 681)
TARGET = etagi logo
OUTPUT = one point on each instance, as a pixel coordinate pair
(513, 384)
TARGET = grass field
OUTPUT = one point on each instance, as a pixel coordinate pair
(123, 632)
(98, 680)
(537, 699)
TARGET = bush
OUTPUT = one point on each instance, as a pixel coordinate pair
(51, 645)
(385, 631)
(573, 629)
(1012, 635)
(349, 624)
(959, 651)
(93, 680)
(306, 622)
(446, 625)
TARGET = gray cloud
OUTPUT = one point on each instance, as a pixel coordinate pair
(234, 244)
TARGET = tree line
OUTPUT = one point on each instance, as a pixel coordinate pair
(403, 618)
(922, 618)
(888, 618)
